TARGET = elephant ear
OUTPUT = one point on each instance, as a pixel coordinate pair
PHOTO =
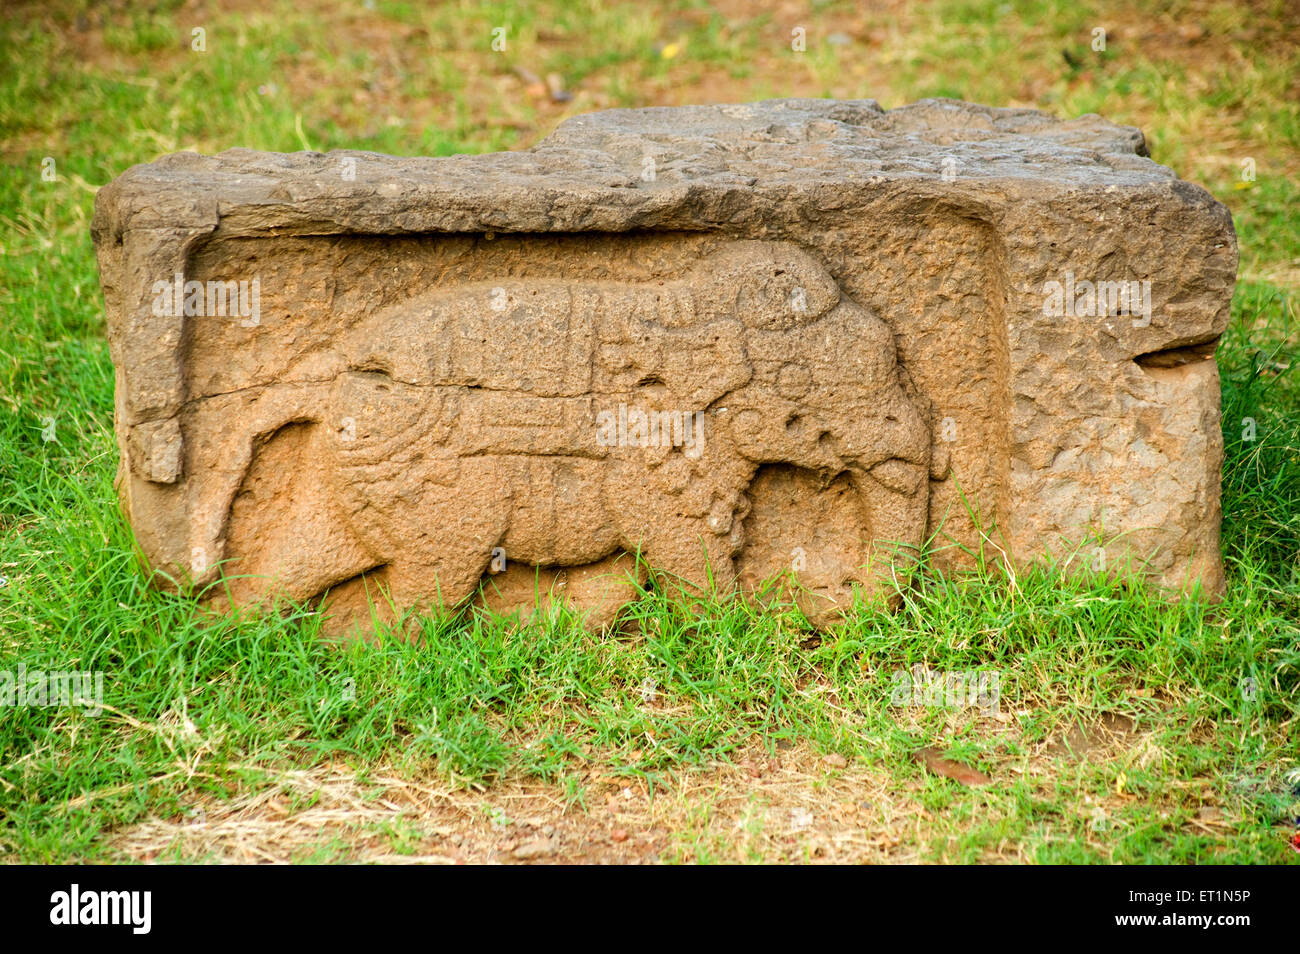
(773, 286)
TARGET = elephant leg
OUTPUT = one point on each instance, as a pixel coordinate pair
(688, 556)
(436, 524)
(443, 583)
(897, 498)
(394, 596)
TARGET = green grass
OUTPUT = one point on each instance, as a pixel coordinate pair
(218, 706)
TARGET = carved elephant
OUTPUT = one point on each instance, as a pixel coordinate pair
(468, 421)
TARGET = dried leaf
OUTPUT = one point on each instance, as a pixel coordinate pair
(939, 765)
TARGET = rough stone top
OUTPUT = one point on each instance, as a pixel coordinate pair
(590, 173)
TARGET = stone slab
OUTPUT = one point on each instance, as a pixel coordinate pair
(799, 337)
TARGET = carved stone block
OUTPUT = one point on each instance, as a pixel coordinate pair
(796, 339)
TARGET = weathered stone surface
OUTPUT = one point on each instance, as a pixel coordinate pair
(859, 329)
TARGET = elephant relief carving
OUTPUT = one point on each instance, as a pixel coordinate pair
(739, 421)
